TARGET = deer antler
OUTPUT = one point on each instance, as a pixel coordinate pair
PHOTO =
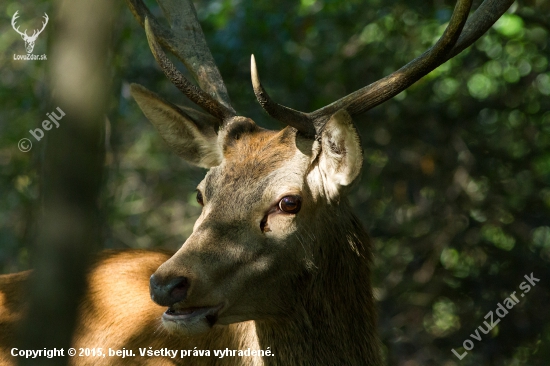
(186, 41)
(197, 96)
(13, 19)
(299, 120)
(450, 44)
(35, 34)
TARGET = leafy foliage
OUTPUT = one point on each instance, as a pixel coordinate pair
(456, 183)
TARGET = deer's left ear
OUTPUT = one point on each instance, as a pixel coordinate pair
(341, 156)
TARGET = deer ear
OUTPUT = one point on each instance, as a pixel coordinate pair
(190, 133)
(341, 156)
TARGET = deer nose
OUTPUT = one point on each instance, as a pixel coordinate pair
(166, 291)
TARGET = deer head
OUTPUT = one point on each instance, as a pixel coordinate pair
(275, 212)
(29, 40)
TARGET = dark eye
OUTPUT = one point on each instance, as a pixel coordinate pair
(199, 198)
(290, 204)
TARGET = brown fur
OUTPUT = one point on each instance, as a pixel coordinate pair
(302, 289)
(332, 311)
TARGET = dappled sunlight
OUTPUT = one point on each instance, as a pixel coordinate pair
(455, 185)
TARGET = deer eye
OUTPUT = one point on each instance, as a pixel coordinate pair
(290, 204)
(199, 198)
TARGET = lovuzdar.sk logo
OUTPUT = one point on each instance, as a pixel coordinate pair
(29, 40)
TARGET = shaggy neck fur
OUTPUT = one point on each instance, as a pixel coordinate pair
(334, 322)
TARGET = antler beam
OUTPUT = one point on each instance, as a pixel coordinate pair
(185, 39)
(460, 34)
(197, 96)
(391, 85)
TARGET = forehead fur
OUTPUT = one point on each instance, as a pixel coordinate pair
(255, 152)
(251, 156)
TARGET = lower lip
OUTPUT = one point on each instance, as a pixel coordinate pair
(197, 313)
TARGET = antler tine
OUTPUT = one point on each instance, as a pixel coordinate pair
(197, 96)
(291, 117)
(479, 22)
(186, 41)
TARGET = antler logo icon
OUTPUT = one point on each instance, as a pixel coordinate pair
(29, 40)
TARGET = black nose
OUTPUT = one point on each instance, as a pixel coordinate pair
(166, 291)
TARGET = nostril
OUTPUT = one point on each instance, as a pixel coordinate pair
(167, 293)
(179, 289)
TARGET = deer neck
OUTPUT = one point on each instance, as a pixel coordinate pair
(334, 319)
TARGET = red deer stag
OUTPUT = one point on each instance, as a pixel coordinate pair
(276, 261)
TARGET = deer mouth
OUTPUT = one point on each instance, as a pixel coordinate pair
(185, 315)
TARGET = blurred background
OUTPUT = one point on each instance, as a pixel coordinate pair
(455, 188)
